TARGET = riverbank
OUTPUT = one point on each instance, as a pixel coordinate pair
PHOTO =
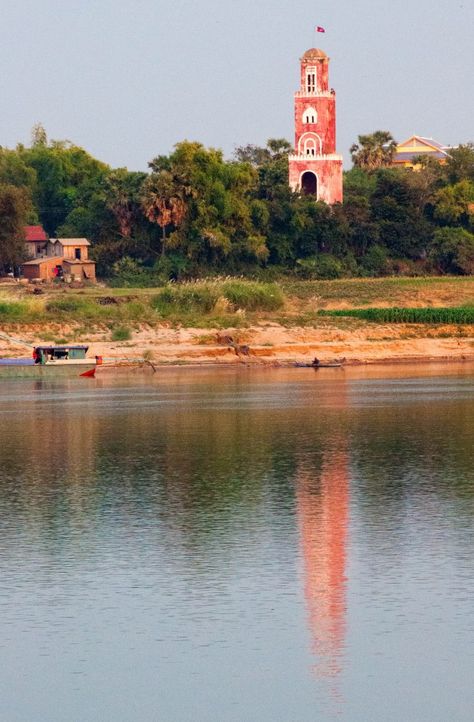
(126, 325)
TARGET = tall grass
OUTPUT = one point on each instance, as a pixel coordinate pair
(192, 298)
(80, 308)
(186, 298)
(454, 315)
(19, 311)
(68, 304)
(253, 296)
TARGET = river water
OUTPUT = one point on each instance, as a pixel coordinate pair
(236, 545)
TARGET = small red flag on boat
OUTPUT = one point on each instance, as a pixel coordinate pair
(88, 374)
(319, 29)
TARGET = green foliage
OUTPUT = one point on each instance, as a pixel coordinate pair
(16, 312)
(358, 183)
(121, 333)
(452, 251)
(196, 214)
(186, 298)
(455, 315)
(66, 177)
(14, 209)
(374, 262)
(123, 199)
(15, 171)
(452, 204)
(460, 163)
(203, 297)
(129, 272)
(253, 296)
(173, 267)
(374, 150)
(66, 304)
(403, 228)
(323, 266)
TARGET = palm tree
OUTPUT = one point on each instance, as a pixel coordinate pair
(373, 151)
(123, 190)
(163, 202)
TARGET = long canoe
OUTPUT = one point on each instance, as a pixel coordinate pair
(318, 366)
(26, 368)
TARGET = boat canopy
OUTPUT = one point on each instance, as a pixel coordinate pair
(72, 352)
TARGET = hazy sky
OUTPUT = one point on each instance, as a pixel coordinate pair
(128, 79)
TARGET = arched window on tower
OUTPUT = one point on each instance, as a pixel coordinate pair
(310, 80)
(310, 147)
(310, 116)
(310, 144)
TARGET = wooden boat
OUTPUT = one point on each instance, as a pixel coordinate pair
(335, 365)
(51, 361)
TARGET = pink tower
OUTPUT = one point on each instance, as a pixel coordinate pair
(315, 168)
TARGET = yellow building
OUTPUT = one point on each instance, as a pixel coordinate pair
(417, 146)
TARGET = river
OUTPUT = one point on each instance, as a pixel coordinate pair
(272, 545)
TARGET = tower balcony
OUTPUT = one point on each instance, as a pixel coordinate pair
(320, 156)
(315, 94)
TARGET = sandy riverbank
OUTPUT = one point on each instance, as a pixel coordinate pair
(293, 332)
(271, 343)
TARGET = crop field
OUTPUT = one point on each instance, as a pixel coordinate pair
(454, 315)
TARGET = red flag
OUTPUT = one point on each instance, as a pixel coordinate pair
(319, 29)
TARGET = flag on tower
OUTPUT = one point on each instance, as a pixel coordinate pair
(319, 29)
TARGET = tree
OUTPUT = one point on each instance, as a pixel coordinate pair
(15, 171)
(460, 163)
(15, 206)
(271, 163)
(452, 204)
(164, 202)
(67, 177)
(373, 151)
(276, 148)
(123, 198)
(452, 251)
(207, 204)
(396, 209)
(38, 135)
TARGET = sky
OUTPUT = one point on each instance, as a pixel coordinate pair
(127, 79)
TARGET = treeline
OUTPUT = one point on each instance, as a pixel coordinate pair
(195, 213)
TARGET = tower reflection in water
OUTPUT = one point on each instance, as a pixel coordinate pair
(322, 499)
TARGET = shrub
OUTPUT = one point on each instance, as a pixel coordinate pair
(188, 298)
(67, 304)
(121, 333)
(15, 311)
(128, 272)
(172, 267)
(452, 251)
(322, 267)
(253, 296)
(374, 263)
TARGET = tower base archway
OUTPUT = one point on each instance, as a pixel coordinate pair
(309, 184)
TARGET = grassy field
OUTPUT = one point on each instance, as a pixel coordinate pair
(444, 315)
(237, 302)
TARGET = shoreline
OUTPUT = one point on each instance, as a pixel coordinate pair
(286, 364)
(269, 344)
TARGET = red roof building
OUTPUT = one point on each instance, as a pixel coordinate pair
(35, 233)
